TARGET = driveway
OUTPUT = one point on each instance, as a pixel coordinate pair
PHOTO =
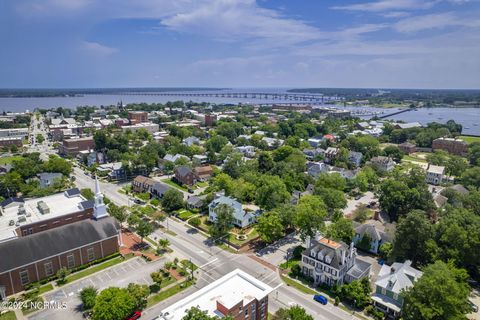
(365, 199)
(277, 252)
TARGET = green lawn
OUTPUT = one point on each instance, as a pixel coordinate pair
(252, 235)
(162, 295)
(298, 286)
(175, 185)
(7, 160)
(94, 269)
(10, 315)
(185, 214)
(468, 139)
(410, 158)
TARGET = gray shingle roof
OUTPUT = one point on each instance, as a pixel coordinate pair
(72, 192)
(25, 250)
(183, 171)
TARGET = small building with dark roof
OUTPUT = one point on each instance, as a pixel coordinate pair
(184, 175)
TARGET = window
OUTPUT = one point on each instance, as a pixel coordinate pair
(70, 261)
(90, 254)
(24, 277)
(48, 269)
(24, 232)
(30, 230)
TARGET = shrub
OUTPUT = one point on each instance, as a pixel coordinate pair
(195, 222)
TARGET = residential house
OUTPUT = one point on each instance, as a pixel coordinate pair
(199, 159)
(311, 154)
(190, 141)
(296, 194)
(383, 163)
(194, 202)
(407, 147)
(435, 174)
(316, 168)
(114, 170)
(159, 189)
(369, 237)
(46, 179)
(330, 154)
(315, 142)
(355, 158)
(273, 142)
(203, 173)
(244, 215)
(185, 176)
(143, 184)
(391, 281)
(175, 158)
(331, 262)
(247, 151)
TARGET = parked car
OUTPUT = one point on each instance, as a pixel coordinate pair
(135, 315)
(319, 298)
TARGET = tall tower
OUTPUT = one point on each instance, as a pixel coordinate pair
(99, 209)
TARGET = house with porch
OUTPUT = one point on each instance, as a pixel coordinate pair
(390, 282)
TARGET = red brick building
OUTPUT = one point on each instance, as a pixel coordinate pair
(72, 147)
(210, 119)
(137, 117)
(407, 147)
(451, 145)
(236, 294)
(184, 175)
(41, 255)
(8, 141)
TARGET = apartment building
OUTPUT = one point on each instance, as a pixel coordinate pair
(236, 294)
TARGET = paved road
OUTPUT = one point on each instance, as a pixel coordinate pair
(135, 270)
(216, 263)
(109, 189)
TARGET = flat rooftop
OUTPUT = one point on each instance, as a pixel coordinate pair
(229, 290)
(58, 204)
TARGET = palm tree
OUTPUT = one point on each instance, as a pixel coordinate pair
(163, 243)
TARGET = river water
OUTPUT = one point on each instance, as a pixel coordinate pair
(468, 117)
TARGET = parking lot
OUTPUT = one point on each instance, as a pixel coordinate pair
(101, 280)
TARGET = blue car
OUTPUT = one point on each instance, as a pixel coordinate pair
(319, 298)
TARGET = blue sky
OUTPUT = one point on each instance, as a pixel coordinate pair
(240, 43)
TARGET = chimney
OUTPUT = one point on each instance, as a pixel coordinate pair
(351, 250)
(343, 257)
(307, 242)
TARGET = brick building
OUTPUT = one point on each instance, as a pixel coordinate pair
(184, 175)
(8, 141)
(19, 217)
(237, 294)
(41, 255)
(137, 117)
(72, 147)
(451, 145)
(407, 147)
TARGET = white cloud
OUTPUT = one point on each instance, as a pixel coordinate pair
(395, 14)
(384, 5)
(434, 21)
(97, 49)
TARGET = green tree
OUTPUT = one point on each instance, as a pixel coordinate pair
(356, 292)
(88, 296)
(164, 243)
(172, 200)
(333, 198)
(216, 143)
(57, 164)
(269, 226)
(292, 313)
(271, 192)
(143, 229)
(413, 237)
(195, 313)
(471, 177)
(393, 152)
(265, 162)
(118, 212)
(40, 138)
(223, 222)
(87, 193)
(341, 230)
(332, 181)
(441, 293)
(62, 274)
(113, 304)
(310, 215)
(140, 293)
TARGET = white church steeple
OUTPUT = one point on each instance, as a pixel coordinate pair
(99, 209)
